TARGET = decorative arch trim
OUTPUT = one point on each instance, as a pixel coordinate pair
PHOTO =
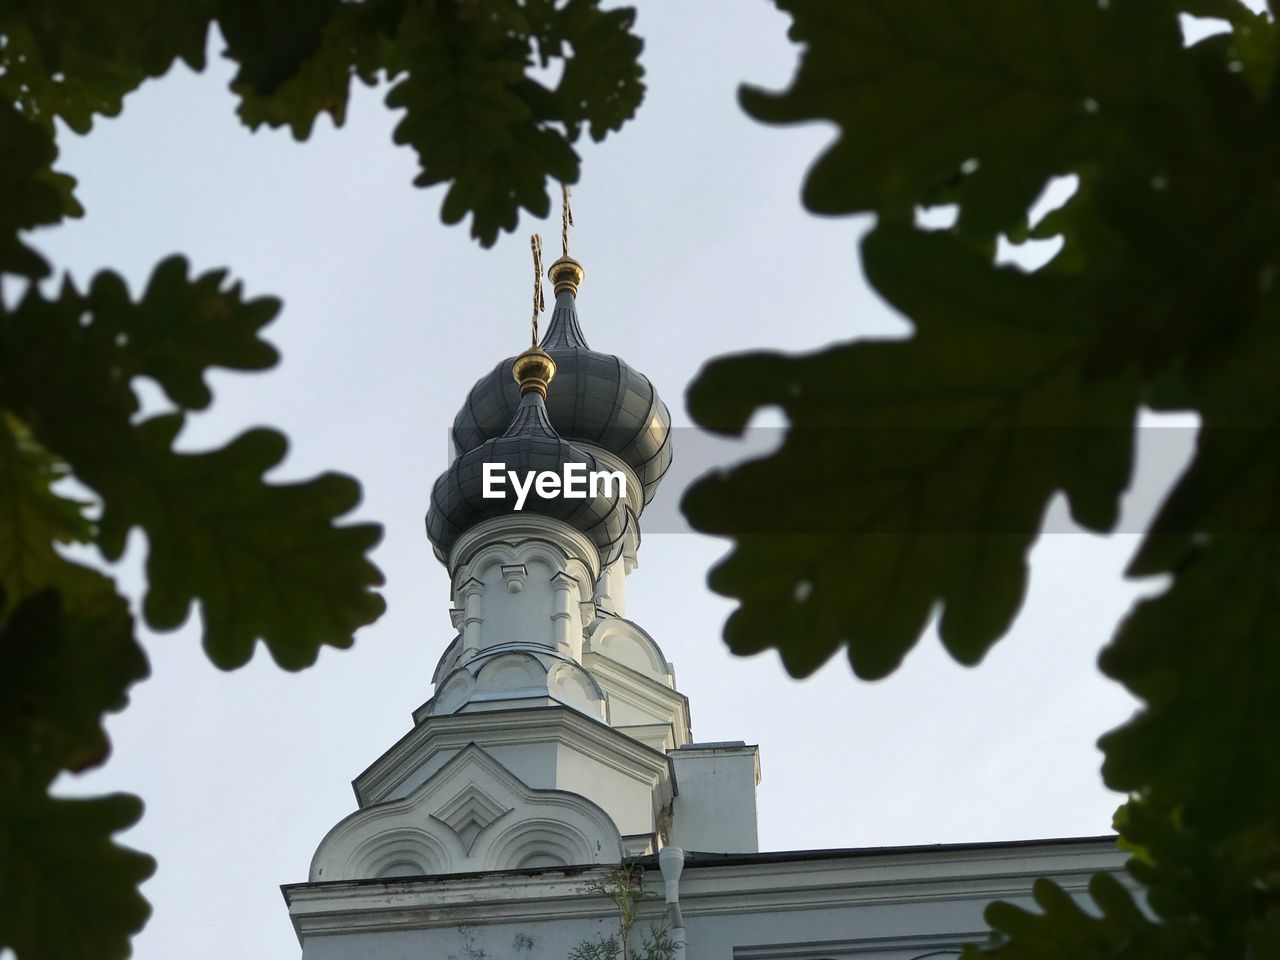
(626, 642)
(472, 814)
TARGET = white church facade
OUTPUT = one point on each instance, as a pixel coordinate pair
(554, 772)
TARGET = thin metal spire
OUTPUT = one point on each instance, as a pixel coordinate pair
(539, 304)
(566, 219)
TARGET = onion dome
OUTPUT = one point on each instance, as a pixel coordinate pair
(528, 446)
(598, 399)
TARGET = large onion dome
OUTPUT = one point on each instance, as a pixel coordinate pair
(529, 444)
(598, 399)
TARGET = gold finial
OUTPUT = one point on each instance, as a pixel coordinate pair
(534, 368)
(566, 273)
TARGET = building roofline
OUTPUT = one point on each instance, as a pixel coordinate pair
(695, 860)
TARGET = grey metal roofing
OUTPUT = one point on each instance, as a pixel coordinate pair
(529, 444)
(596, 398)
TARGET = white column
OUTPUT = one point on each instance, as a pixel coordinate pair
(564, 587)
(472, 593)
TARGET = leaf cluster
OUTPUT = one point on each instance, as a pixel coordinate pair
(470, 78)
(916, 473)
(263, 561)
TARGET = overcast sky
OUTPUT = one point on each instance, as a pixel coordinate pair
(695, 244)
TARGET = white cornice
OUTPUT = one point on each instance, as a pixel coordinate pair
(510, 727)
(519, 527)
(749, 883)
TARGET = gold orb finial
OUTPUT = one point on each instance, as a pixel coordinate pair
(533, 370)
(566, 273)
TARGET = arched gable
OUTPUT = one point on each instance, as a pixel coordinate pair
(472, 814)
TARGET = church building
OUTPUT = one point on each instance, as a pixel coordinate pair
(550, 799)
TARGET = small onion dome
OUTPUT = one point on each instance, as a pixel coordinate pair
(598, 398)
(530, 445)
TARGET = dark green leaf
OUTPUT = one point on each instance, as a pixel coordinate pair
(601, 83)
(474, 113)
(996, 100)
(272, 40)
(61, 668)
(350, 46)
(1211, 890)
(182, 327)
(915, 473)
(1205, 656)
(1191, 652)
(1164, 293)
(468, 115)
(70, 59)
(69, 892)
(264, 560)
(33, 194)
(33, 519)
(1063, 929)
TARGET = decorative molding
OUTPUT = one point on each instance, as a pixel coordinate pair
(934, 946)
(514, 574)
(469, 586)
(452, 654)
(491, 820)
(660, 736)
(590, 737)
(627, 643)
(746, 886)
(515, 530)
(516, 671)
(469, 813)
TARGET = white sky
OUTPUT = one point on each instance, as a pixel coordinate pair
(695, 244)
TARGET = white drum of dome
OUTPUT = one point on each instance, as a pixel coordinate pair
(574, 482)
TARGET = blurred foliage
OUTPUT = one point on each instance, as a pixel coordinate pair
(261, 561)
(916, 473)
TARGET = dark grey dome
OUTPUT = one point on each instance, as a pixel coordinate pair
(528, 444)
(597, 399)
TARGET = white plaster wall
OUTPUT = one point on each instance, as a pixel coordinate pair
(538, 940)
(523, 616)
(627, 800)
(836, 933)
(624, 714)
